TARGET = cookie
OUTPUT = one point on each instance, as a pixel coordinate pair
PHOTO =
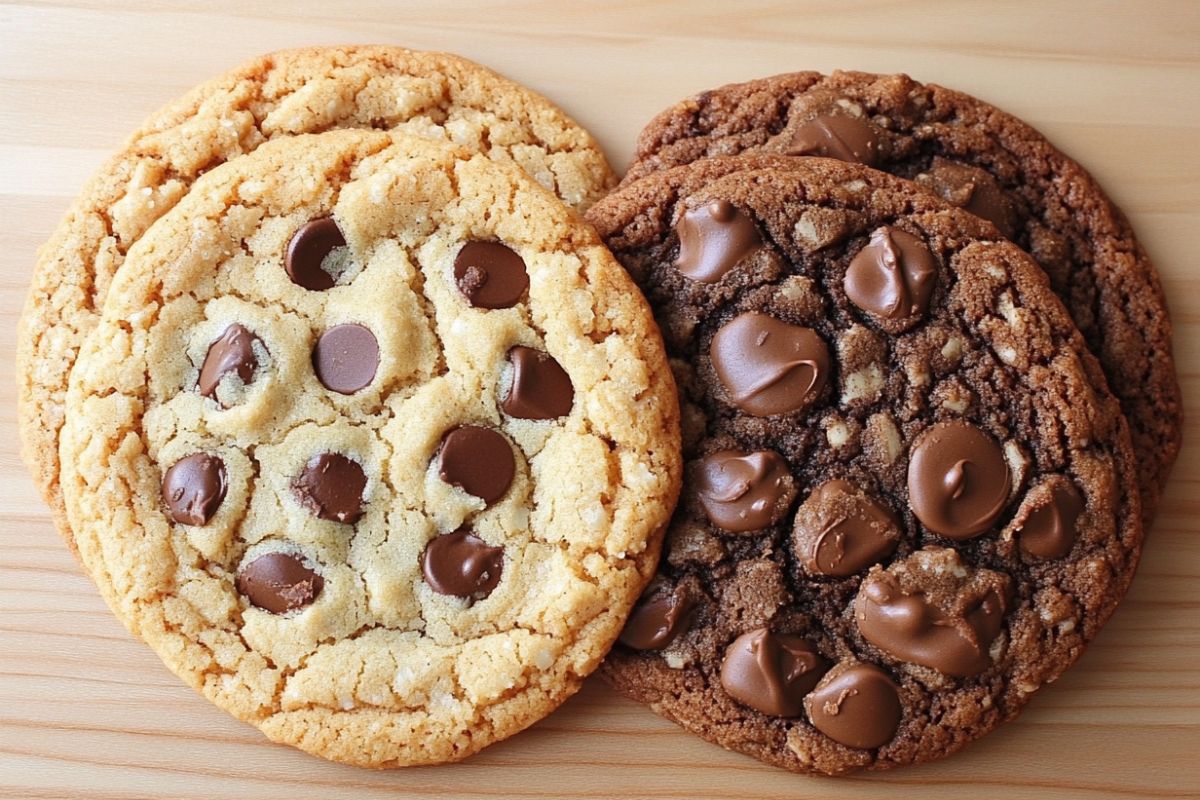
(393, 520)
(909, 498)
(436, 95)
(977, 157)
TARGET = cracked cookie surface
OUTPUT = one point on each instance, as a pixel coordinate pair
(436, 95)
(980, 158)
(909, 498)
(377, 517)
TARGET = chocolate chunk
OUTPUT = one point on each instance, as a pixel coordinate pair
(836, 136)
(331, 487)
(194, 487)
(307, 251)
(232, 352)
(972, 189)
(857, 705)
(771, 672)
(461, 564)
(912, 629)
(346, 358)
(490, 275)
(1048, 530)
(713, 239)
(893, 276)
(958, 480)
(657, 622)
(744, 491)
(279, 582)
(541, 388)
(477, 460)
(769, 367)
(840, 530)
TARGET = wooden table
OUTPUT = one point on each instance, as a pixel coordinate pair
(88, 712)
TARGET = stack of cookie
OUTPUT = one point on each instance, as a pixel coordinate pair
(355, 420)
(926, 415)
(347, 412)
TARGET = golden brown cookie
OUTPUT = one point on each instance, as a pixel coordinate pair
(374, 444)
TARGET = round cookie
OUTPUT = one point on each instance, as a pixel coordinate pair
(972, 155)
(909, 498)
(364, 518)
(311, 90)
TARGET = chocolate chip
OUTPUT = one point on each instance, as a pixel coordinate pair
(233, 352)
(461, 564)
(346, 358)
(194, 487)
(477, 460)
(331, 487)
(658, 621)
(972, 189)
(836, 136)
(307, 251)
(912, 629)
(857, 705)
(769, 367)
(958, 480)
(744, 491)
(713, 239)
(279, 582)
(541, 388)
(893, 276)
(840, 530)
(490, 275)
(1048, 530)
(771, 672)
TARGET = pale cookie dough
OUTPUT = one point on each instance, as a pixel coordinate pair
(436, 95)
(400, 542)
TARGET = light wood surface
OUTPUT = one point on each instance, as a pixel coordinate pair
(88, 712)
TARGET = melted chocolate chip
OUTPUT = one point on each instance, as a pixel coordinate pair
(840, 530)
(233, 352)
(893, 276)
(972, 189)
(194, 487)
(1048, 530)
(306, 253)
(771, 672)
(461, 564)
(541, 388)
(769, 367)
(958, 480)
(331, 487)
(857, 705)
(477, 460)
(713, 239)
(657, 622)
(346, 358)
(744, 491)
(490, 275)
(836, 136)
(279, 582)
(912, 629)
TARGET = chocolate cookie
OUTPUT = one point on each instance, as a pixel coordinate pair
(374, 444)
(909, 500)
(434, 95)
(977, 157)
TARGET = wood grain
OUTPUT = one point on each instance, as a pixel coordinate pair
(88, 712)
